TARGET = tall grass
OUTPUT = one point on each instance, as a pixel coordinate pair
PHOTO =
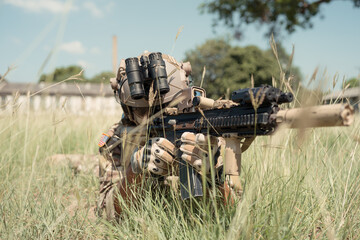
(295, 187)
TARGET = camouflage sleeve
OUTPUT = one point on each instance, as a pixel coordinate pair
(115, 154)
(111, 171)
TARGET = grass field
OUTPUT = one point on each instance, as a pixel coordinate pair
(296, 186)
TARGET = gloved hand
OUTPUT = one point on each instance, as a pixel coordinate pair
(195, 150)
(156, 157)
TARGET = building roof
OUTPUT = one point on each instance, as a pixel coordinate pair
(64, 89)
(348, 93)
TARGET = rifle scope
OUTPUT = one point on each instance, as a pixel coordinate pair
(268, 94)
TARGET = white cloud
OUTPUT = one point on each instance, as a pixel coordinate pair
(75, 47)
(93, 9)
(46, 48)
(110, 6)
(95, 50)
(82, 63)
(16, 40)
(54, 6)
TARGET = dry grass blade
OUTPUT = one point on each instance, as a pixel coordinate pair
(63, 104)
(343, 90)
(36, 42)
(283, 80)
(289, 64)
(43, 65)
(253, 101)
(343, 82)
(15, 103)
(179, 31)
(257, 100)
(313, 76)
(288, 87)
(335, 79)
(151, 95)
(2, 78)
(273, 146)
(274, 49)
(78, 87)
(176, 37)
(273, 81)
(202, 113)
(74, 77)
(5, 105)
(282, 73)
(203, 76)
(172, 72)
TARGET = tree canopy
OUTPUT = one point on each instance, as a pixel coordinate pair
(352, 82)
(102, 77)
(275, 14)
(229, 68)
(62, 73)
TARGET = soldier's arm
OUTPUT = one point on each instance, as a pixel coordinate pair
(154, 157)
(128, 187)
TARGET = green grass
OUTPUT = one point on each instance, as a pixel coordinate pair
(294, 187)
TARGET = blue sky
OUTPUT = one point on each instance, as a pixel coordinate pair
(81, 32)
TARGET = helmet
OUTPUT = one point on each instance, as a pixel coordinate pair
(138, 79)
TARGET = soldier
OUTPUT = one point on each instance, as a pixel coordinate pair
(126, 153)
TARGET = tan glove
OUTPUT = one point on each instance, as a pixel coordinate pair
(195, 150)
(156, 157)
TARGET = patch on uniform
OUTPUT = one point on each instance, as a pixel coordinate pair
(104, 138)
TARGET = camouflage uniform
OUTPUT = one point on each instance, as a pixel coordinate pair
(112, 167)
(115, 159)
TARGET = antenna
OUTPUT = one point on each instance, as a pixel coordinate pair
(114, 53)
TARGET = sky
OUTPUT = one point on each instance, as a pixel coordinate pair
(39, 35)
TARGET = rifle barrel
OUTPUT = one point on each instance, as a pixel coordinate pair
(317, 116)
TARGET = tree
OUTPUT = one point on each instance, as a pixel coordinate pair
(229, 68)
(352, 82)
(210, 54)
(275, 14)
(102, 77)
(61, 74)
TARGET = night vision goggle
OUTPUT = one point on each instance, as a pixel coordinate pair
(151, 70)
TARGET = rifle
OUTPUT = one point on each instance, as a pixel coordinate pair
(250, 112)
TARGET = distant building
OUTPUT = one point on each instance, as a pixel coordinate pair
(81, 98)
(351, 94)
